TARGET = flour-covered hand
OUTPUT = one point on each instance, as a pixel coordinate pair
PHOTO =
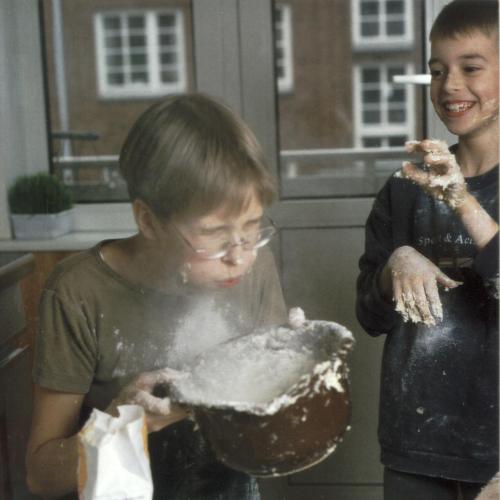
(160, 411)
(441, 177)
(415, 279)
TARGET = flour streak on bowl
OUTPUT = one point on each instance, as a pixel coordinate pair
(275, 401)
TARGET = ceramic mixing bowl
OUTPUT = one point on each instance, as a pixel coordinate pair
(273, 402)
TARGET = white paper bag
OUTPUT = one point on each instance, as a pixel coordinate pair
(113, 456)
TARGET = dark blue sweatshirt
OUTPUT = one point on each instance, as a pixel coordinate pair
(439, 384)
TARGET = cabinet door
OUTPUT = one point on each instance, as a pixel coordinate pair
(15, 417)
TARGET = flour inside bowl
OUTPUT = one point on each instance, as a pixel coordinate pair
(256, 369)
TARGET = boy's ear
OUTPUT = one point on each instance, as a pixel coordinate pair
(145, 219)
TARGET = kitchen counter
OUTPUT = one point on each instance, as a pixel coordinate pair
(69, 242)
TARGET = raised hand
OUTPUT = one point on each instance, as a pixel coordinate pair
(414, 281)
(441, 176)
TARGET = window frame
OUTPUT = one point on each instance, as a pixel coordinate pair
(361, 130)
(285, 82)
(382, 40)
(154, 87)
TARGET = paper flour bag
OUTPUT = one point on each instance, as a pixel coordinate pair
(113, 459)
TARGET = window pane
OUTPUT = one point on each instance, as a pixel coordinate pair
(113, 42)
(395, 7)
(166, 21)
(111, 23)
(372, 142)
(136, 22)
(369, 8)
(397, 95)
(168, 57)
(371, 75)
(395, 28)
(114, 60)
(135, 67)
(369, 29)
(397, 115)
(116, 78)
(397, 141)
(371, 96)
(137, 41)
(168, 39)
(138, 59)
(371, 116)
(138, 76)
(343, 125)
(169, 76)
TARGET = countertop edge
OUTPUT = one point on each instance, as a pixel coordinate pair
(76, 241)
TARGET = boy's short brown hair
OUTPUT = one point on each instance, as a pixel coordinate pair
(462, 17)
(190, 154)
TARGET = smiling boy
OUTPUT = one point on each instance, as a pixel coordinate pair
(429, 277)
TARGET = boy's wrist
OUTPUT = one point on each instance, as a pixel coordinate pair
(463, 203)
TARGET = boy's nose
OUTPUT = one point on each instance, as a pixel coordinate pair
(453, 81)
(234, 255)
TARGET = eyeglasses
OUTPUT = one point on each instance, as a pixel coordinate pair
(212, 248)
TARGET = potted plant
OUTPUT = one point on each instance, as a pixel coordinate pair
(40, 206)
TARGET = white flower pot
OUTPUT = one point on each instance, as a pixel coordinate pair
(41, 226)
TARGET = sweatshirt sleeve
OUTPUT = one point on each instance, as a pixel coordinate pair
(375, 314)
(486, 265)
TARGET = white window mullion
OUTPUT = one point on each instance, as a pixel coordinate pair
(124, 34)
(181, 49)
(382, 20)
(384, 92)
(153, 43)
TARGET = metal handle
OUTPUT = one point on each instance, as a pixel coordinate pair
(417, 79)
(14, 354)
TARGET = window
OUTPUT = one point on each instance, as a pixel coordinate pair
(382, 22)
(283, 47)
(383, 110)
(140, 53)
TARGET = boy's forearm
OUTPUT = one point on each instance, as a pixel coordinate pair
(478, 223)
(52, 468)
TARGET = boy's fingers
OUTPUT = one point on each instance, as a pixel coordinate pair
(148, 380)
(398, 299)
(410, 303)
(431, 290)
(411, 171)
(152, 404)
(423, 304)
(434, 146)
(441, 164)
(444, 280)
(168, 374)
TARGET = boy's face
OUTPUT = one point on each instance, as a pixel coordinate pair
(220, 230)
(464, 85)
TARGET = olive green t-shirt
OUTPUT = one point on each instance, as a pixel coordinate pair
(98, 330)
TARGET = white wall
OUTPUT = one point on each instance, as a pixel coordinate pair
(23, 134)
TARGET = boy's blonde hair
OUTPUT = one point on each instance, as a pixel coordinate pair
(462, 17)
(189, 154)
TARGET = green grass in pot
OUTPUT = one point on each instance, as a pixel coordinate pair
(39, 194)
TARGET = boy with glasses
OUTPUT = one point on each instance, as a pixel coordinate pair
(195, 274)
